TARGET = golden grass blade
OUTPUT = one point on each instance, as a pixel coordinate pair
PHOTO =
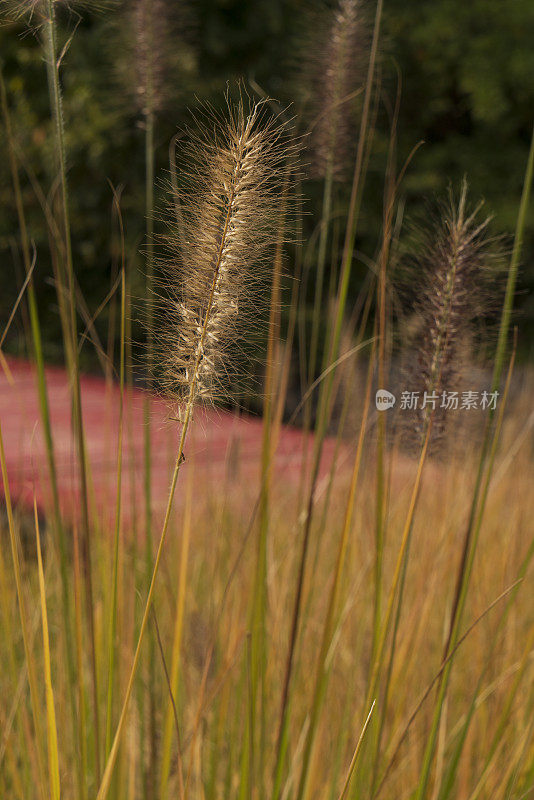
(82, 710)
(354, 759)
(6, 370)
(53, 757)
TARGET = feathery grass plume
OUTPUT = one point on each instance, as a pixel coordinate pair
(37, 12)
(334, 73)
(454, 267)
(214, 262)
(150, 47)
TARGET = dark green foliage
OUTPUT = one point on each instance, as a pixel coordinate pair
(467, 72)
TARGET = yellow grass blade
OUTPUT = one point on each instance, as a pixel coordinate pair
(356, 753)
(53, 758)
(5, 368)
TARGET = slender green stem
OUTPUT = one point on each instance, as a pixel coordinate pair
(258, 648)
(170, 720)
(149, 287)
(108, 771)
(502, 342)
(116, 542)
(380, 507)
(53, 759)
(321, 261)
(71, 345)
(149, 213)
(380, 454)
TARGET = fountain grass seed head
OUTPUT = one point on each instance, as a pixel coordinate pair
(334, 71)
(38, 12)
(215, 257)
(453, 269)
(152, 51)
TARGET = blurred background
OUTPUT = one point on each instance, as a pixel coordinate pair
(464, 74)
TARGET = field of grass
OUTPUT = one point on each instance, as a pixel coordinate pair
(364, 629)
(202, 608)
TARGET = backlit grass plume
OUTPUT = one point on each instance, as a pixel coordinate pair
(454, 269)
(335, 72)
(214, 258)
(150, 49)
(39, 12)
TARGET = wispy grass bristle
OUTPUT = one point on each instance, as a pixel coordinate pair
(37, 12)
(214, 262)
(335, 72)
(150, 48)
(454, 269)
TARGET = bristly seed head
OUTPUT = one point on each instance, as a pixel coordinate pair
(151, 47)
(454, 269)
(214, 258)
(335, 73)
(36, 12)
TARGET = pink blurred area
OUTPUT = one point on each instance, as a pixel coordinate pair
(223, 448)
